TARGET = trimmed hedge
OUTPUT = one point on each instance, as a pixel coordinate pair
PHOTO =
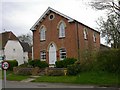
(13, 63)
(64, 63)
(38, 63)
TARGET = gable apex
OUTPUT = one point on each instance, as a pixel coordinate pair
(47, 12)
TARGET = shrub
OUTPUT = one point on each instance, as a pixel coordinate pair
(38, 63)
(25, 65)
(108, 61)
(73, 69)
(12, 63)
(64, 63)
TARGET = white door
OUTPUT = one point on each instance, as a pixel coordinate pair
(52, 54)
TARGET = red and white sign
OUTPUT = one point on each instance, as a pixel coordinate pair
(5, 65)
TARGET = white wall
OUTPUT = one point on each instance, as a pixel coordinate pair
(13, 50)
(25, 56)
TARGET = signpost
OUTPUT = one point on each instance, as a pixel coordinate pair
(5, 66)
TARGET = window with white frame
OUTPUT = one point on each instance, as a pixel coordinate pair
(62, 30)
(85, 33)
(42, 33)
(94, 37)
(42, 55)
(62, 54)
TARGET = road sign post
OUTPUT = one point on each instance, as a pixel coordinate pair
(5, 66)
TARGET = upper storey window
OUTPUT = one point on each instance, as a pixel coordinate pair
(94, 37)
(51, 16)
(85, 33)
(42, 33)
(61, 27)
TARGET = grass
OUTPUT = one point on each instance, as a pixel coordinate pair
(90, 78)
(87, 78)
(12, 77)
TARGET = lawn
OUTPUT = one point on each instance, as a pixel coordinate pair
(12, 77)
(90, 78)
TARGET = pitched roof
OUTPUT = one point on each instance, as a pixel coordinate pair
(26, 47)
(33, 28)
(5, 36)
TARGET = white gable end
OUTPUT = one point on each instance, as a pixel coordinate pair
(14, 51)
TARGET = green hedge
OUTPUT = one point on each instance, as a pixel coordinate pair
(38, 63)
(108, 61)
(12, 63)
(74, 69)
(64, 63)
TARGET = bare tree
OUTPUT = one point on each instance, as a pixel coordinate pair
(26, 38)
(112, 5)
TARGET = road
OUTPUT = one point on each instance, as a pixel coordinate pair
(16, 84)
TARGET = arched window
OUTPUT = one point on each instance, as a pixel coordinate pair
(42, 33)
(62, 53)
(85, 33)
(61, 27)
(94, 37)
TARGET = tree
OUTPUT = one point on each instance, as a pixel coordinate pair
(26, 38)
(110, 29)
(112, 5)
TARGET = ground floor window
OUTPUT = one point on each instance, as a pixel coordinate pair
(43, 55)
(62, 54)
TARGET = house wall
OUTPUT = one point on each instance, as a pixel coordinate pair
(14, 51)
(70, 42)
(25, 56)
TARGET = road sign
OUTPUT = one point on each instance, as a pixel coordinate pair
(5, 65)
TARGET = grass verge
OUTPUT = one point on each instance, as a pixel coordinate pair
(12, 77)
(90, 78)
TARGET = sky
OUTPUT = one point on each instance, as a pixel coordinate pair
(18, 16)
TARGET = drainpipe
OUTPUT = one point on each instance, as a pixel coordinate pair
(78, 41)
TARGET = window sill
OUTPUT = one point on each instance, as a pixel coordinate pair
(61, 37)
(42, 40)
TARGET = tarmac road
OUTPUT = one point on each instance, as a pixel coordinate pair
(16, 84)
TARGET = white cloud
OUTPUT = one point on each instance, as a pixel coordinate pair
(20, 15)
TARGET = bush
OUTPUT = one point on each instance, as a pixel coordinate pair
(64, 63)
(25, 65)
(73, 69)
(38, 63)
(108, 61)
(12, 63)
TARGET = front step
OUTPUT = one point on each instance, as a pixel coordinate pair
(51, 65)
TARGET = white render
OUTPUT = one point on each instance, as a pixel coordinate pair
(25, 57)
(14, 51)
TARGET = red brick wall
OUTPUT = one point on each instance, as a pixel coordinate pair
(69, 42)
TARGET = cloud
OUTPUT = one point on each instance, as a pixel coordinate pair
(19, 15)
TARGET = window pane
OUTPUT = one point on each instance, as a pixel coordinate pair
(43, 55)
(62, 54)
(62, 30)
(42, 33)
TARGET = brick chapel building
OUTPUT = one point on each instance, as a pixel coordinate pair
(57, 36)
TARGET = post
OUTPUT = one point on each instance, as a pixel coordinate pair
(4, 79)
(4, 71)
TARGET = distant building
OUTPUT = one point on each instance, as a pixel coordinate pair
(57, 36)
(13, 49)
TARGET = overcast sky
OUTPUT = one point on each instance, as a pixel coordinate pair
(18, 16)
